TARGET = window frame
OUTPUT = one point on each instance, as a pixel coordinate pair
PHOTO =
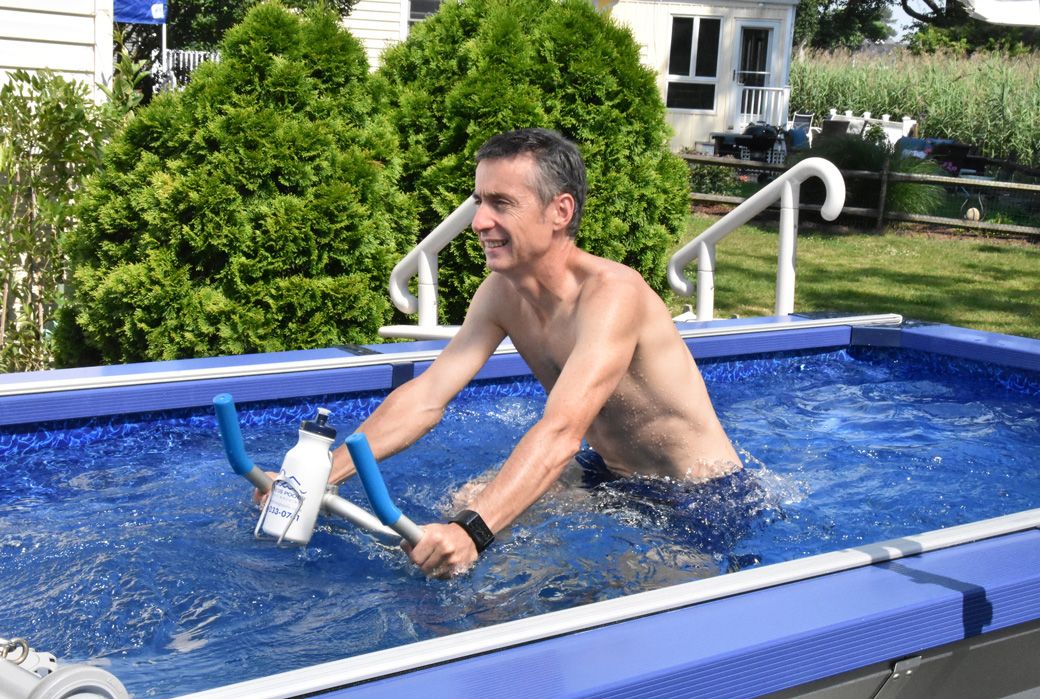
(691, 78)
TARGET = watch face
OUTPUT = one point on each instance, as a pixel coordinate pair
(474, 526)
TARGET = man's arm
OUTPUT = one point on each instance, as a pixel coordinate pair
(414, 408)
(605, 343)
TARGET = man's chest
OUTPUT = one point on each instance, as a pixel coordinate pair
(546, 347)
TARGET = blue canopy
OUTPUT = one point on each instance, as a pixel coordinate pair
(140, 11)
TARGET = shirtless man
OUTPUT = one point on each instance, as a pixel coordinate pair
(599, 340)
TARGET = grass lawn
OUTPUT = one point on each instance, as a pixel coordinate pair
(983, 283)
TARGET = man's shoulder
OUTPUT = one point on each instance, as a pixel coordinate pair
(495, 283)
(607, 272)
(495, 293)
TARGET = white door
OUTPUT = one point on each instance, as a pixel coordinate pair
(753, 56)
(757, 98)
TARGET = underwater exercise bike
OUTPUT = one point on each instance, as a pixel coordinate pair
(300, 492)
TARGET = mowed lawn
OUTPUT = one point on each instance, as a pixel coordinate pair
(975, 282)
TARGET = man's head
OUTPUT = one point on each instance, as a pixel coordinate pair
(560, 168)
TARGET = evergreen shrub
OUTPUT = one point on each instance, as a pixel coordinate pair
(480, 67)
(255, 211)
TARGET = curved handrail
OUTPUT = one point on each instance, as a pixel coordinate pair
(421, 261)
(785, 188)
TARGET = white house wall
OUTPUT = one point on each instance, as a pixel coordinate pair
(378, 24)
(71, 37)
(651, 25)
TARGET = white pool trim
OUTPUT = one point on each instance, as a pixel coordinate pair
(49, 382)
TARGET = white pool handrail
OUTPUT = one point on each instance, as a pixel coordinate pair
(785, 188)
(421, 262)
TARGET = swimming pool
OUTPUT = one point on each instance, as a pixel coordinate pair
(543, 649)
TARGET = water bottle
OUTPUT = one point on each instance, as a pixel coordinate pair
(297, 493)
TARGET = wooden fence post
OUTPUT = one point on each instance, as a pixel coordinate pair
(879, 225)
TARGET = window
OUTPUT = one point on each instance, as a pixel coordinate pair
(419, 10)
(693, 63)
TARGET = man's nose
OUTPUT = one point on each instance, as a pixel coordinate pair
(482, 220)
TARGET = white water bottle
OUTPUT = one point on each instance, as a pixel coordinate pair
(297, 493)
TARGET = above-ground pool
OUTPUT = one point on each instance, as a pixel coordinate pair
(874, 451)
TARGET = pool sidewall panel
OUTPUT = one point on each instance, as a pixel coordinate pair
(764, 641)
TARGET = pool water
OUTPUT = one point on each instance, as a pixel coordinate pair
(128, 542)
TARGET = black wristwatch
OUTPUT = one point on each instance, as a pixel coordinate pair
(473, 525)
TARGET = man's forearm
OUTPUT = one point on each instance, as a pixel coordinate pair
(535, 464)
(395, 425)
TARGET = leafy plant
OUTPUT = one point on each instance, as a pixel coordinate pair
(124, 92)
(714, 179)
(480, 67)
(255, 211)
(50, 135)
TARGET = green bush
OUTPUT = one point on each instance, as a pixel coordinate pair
(257, 210)
(480, 67)
(714, 179)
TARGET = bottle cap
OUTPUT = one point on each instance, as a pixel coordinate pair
(319, 425)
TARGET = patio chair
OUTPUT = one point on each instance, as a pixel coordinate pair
(799, 131)
(831, 128)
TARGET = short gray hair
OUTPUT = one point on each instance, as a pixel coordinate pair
(560, 167)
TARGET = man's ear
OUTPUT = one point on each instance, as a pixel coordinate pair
(562, 210)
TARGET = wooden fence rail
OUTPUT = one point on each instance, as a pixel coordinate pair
(880, 214)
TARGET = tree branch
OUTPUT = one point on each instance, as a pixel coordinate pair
(919, 16)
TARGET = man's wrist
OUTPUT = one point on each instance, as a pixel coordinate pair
(474, 526)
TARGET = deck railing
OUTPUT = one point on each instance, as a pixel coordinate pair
(177, 65)
(768, 104)
(786, 188)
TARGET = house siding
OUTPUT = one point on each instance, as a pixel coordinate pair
(377, 24)
(650, 23)
(71, 37)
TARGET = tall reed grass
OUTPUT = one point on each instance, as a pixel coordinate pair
(989, 100)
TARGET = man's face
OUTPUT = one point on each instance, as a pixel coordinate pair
(511, 223)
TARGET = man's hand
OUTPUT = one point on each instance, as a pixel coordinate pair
(445, 550)
(261, 498)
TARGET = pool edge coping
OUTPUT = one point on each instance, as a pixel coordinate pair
(47, 382)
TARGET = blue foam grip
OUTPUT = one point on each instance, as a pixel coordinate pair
(227, 420)
(372, 479)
